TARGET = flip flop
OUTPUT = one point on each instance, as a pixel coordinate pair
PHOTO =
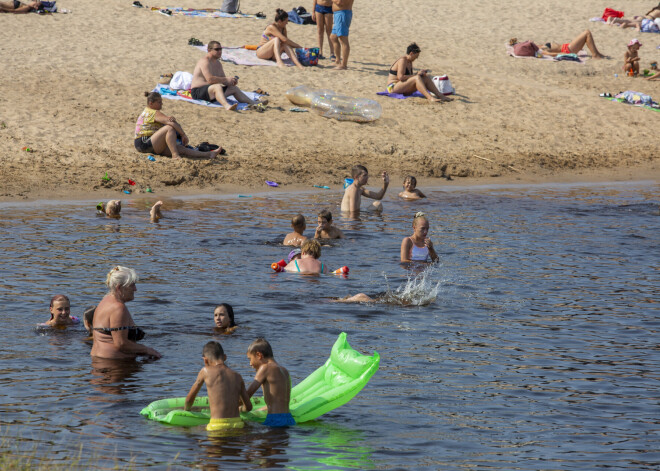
(269, 183)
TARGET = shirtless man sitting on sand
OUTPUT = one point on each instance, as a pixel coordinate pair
(209, 82)
(14, 6)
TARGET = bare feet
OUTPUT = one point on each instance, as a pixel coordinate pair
(155, 211)
(599, 56)
(232, 107)
(339, 67)
(214, 153)
(176, 156)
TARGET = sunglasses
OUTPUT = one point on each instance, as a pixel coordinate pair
(216, 49)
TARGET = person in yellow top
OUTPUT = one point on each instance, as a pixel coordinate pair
(156, 133)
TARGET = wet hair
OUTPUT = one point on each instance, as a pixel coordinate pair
(325, 214)
(419, 215)
(59, 297)
(120, 276)
(311, 247)
(413, 48)
(113, 207)
(213, 351)
(88, 316)
(153, 97)
(358, 170)
(281, 15)
(230, 313)
(262, 346)
(212, 45)
(298, 221)
(411, 179)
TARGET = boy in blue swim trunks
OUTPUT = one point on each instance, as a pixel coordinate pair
(275, 381)
(342, 11)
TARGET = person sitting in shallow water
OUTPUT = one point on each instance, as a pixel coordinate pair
(418, 247)
(17, 7)
(410, 191)
(223, 317)
(157, 133)
(111, 209)
(309, 260)
(401, 78)
(60, 312)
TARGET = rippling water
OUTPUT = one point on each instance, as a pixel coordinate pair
(533, 345)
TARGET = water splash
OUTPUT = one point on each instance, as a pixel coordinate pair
(421, 289)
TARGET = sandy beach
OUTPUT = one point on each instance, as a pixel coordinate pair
(73, 88)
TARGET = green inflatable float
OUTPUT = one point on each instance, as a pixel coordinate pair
(335, 383)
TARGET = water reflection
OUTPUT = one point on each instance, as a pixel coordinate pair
(114, 377)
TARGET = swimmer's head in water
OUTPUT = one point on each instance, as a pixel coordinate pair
(60, 308)
(223, 316)
(113, 208)
(409, 183)
(325, 214)
(420, 224)
(358, 170)
(294, 254)
(311, 247)
(213, 351)
(88, 317)
(259, 347)
(298, 222)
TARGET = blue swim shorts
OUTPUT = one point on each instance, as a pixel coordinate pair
(322, 9)
(279, 420)
(342, 21)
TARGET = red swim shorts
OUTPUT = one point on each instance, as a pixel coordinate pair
(565, 49)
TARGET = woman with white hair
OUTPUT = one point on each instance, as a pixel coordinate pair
(114, 333)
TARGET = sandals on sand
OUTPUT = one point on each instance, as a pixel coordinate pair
(165, 12)
(137, 4)
(195, 42)
(258, 107)
(206, 147)
(260, 91)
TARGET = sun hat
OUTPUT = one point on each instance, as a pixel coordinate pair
(293, 253)
(633, 42)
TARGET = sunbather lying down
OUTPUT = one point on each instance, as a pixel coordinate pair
(14, 6)
(575, 46)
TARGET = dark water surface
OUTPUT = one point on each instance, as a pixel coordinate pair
(540, 351)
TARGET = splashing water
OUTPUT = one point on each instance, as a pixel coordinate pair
(421, 289)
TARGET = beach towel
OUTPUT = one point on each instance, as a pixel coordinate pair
(242, 56)
(201, 12)
(400, 96)
(581, 55)
(654, 106)
(172, 94)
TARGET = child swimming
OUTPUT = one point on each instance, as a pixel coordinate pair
(225, 388)
(111, 209)
(325, 229)
(308, 262)
(275, 381)
(296, 238)
(353, 193)
(223, 316)
(410, 191)
(60, 312)
(417, 247)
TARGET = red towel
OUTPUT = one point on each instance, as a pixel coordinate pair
(610, 12)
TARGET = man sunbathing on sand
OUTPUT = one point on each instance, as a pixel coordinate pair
(209, 82)
(17, 7)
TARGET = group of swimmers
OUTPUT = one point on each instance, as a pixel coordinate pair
(115, 335)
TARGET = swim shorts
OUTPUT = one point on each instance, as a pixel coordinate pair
(565, 49)
(144, 145)
(225, 424)
(279, 420)
(202, 93)
(16, 4)
(322, 9)
(342, 21)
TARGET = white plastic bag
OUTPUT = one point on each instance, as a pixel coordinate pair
(443, 84)
(181, 81)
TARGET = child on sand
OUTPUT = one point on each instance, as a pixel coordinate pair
(309, 263)
(325, 229)
(223, 316)
(296, 238)
(225, 388)
(60, 312)
(354, 192)
(275, 381)
(631, 58)
(410, 191)
(417, 247)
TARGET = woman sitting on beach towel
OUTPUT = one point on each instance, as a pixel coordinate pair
(575, 46)
(156, 133)
(14, 6)
(402, 80)
(274, 41)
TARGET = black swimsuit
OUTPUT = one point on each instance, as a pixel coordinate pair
(408, 71)
(134, 332)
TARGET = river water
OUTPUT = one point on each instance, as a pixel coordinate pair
(533, 345)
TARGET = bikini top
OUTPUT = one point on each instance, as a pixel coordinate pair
(419, 254)
(296, 263)
(134, 332)
(409, 71)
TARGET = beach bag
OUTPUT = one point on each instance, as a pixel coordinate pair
(611, 12)
(308, 55)
(181, 81)
(230, 6)
(443, 84)
(526, 49)
(636, 98)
